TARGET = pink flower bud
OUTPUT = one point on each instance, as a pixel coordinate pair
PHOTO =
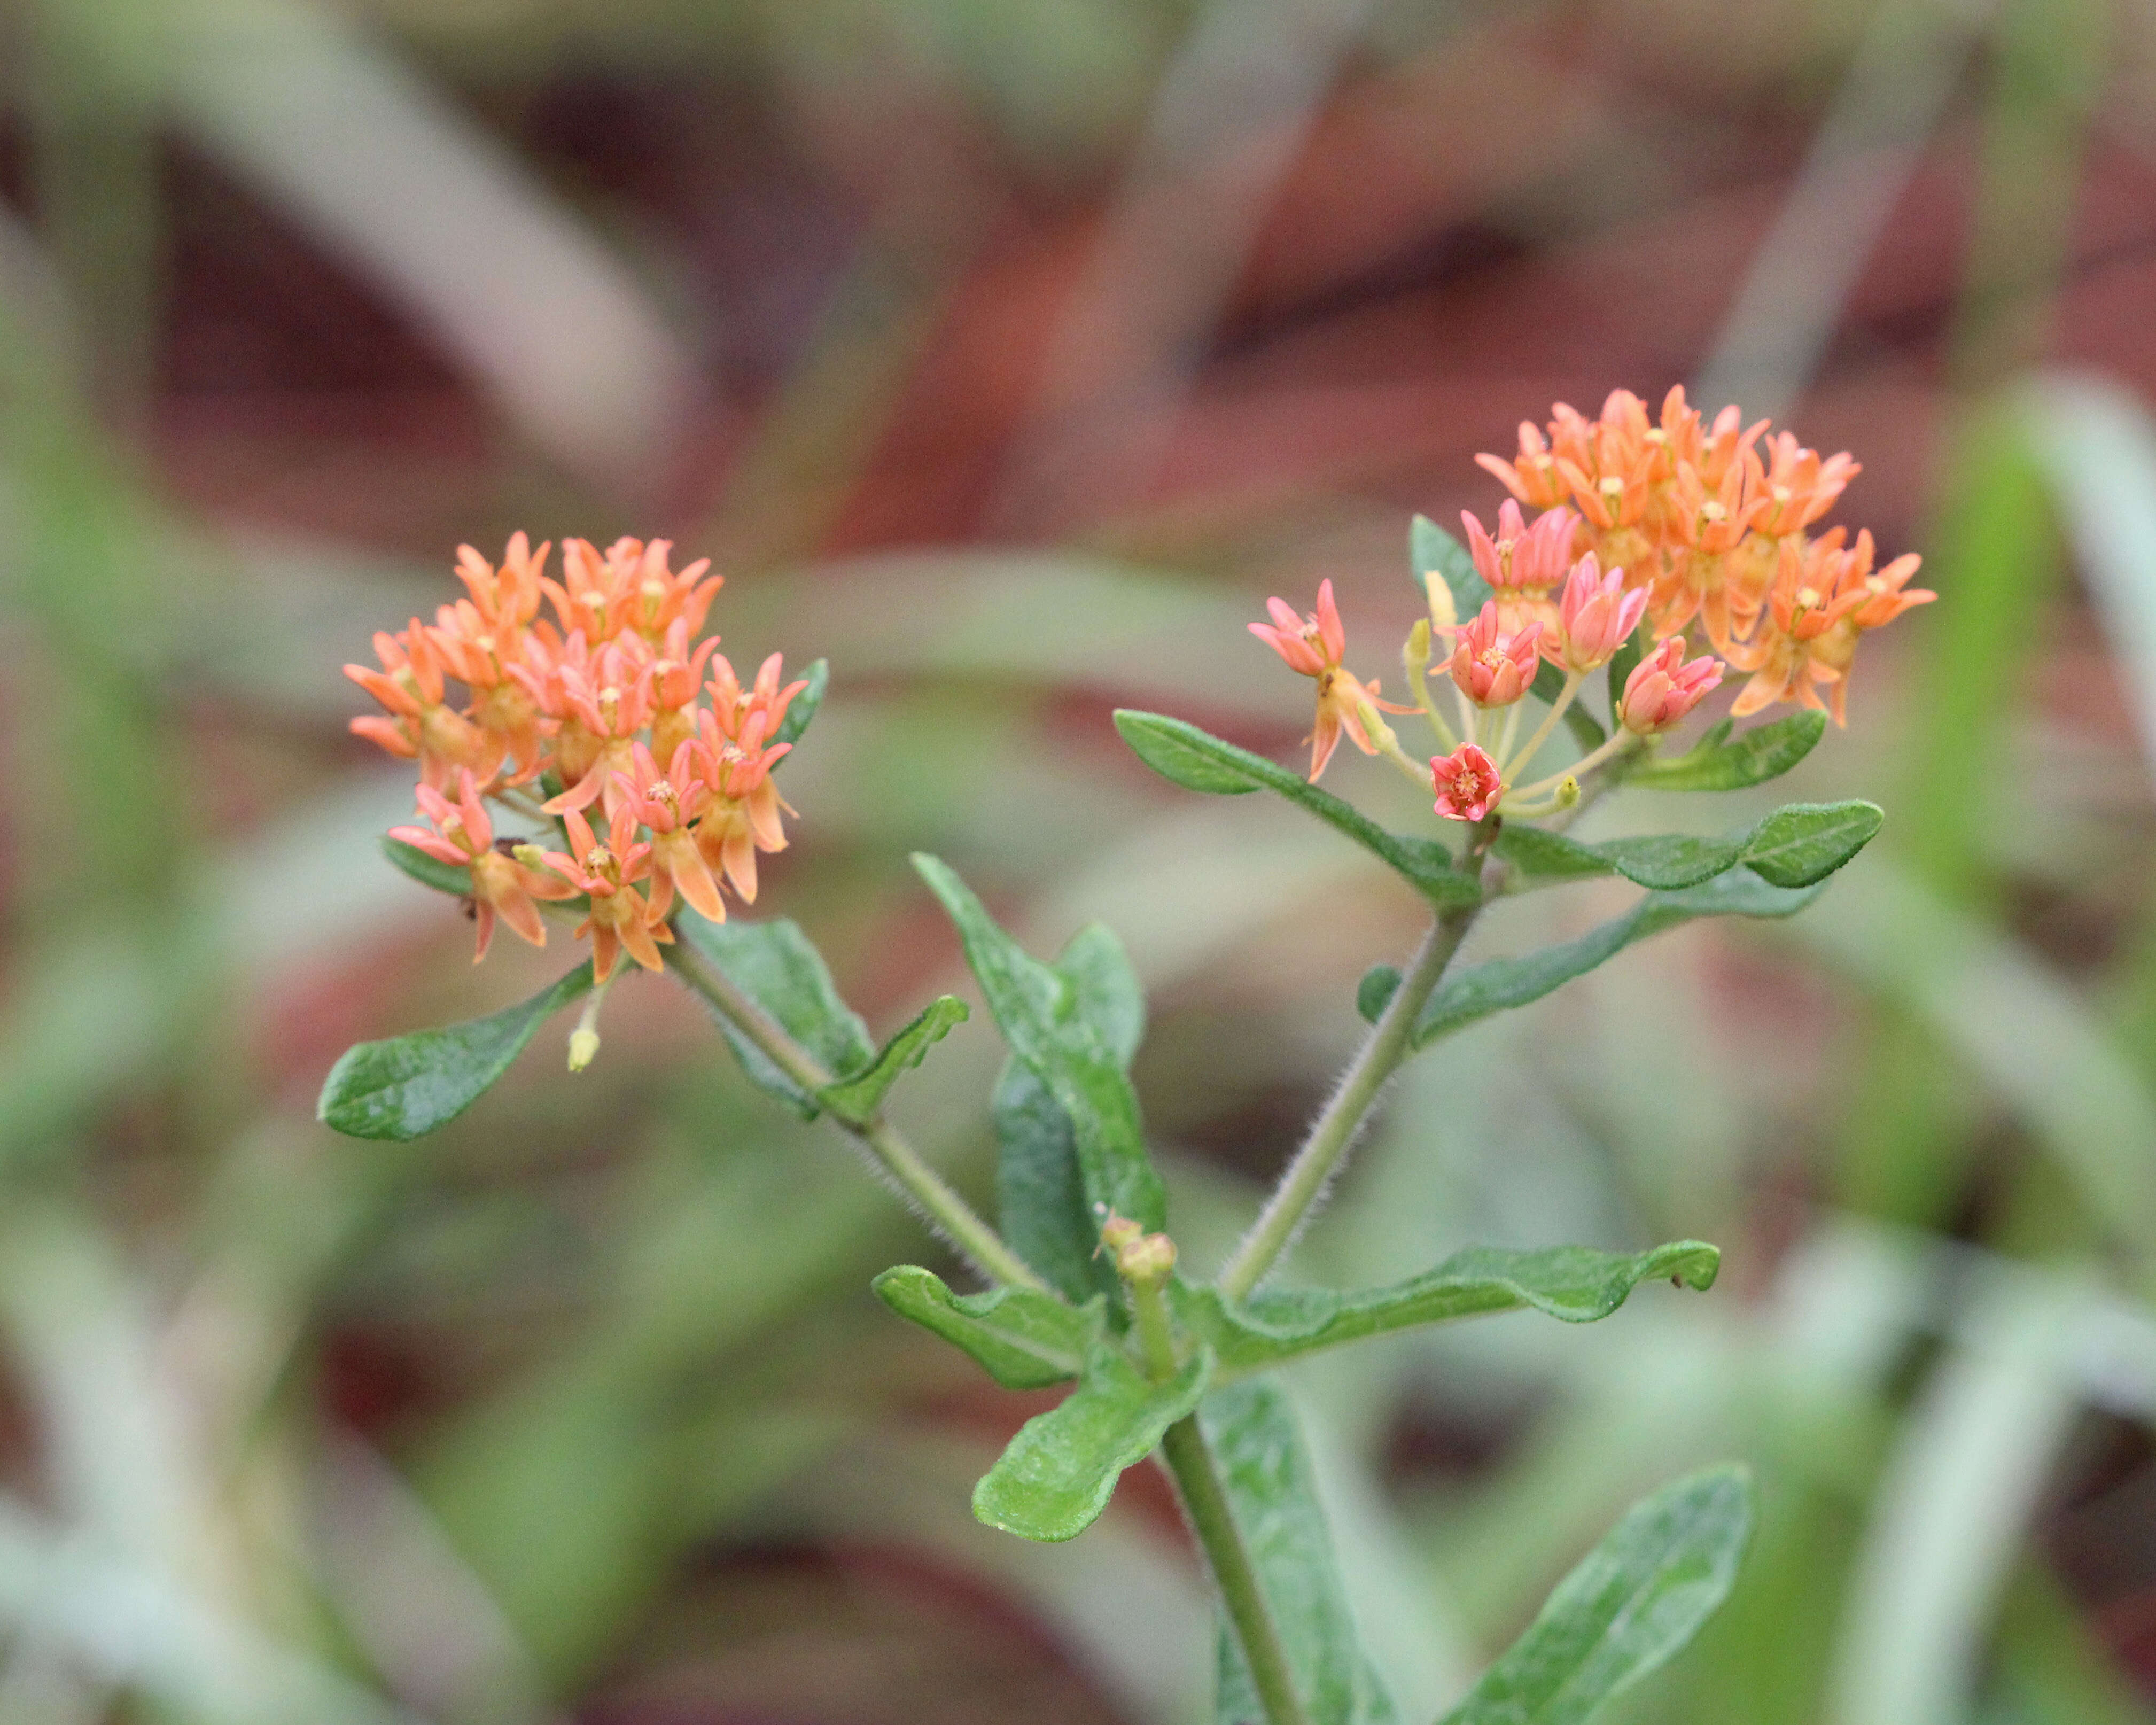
(1598, 614)
(1466, 782)
(1311, 644)
(1494, 666)
(1663, 688)
(1519, 557)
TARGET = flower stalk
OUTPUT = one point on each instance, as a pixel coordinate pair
(959, 1220)
(1336, 1129)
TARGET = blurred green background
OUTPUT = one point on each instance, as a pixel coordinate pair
(1010, 353)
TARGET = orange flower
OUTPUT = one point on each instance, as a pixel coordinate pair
(741, 815)
(1313, 645)
(735, 706)
(610, 704)
(667, 803)
(422, 726)
(1523, 565)
(1663, 688)
(675, 675)
(1824, 600)
(1492, 665)
(621, 917)
(629, 588)
(462, 835)
(1533, 478)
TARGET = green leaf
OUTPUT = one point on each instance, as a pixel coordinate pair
(1040, 1191)
(1026, 1339)
(1630, 1604)
(803, 707)
(1763, 753)
(1626, 660)
(779, 967)
(1576, 1284)
(427, 871)
(1431, 547)
(1182, 753)
(1375, 992)
(1259, 1451)
(407, 1087)
(1498, 983)
(1794, 846)
(1038, 1008)
(1060, 1470)
(854, 1099)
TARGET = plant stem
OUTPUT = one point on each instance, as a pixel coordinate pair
(1525, 757)
(1418, 681)
(1320, 1156)
(944, 1207)
(1580, 768)
(1189, 1458)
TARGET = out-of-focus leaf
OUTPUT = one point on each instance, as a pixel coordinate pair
(1549, 688)
(1058, 1472)
(1576, 1284)
(1269, 1479)
(427, 870)
(1715, 763)
(856, 1098)
(779, 967)
(1040, 1190)
(407, 1087)
(803, 707)
(1497, 983)
(1182, 754)
(1025, 1339)
(1037, 1006)
(1794, 846)
(1630, 1604)
(1432, 550)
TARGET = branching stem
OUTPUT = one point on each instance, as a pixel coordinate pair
(928, 1188)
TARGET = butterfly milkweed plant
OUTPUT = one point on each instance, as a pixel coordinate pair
(590, 767)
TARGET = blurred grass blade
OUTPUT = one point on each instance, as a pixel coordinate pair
(408, 1086)
(1058, 1472)
(1631, 1603)
(1259, 1450)
(1576, 1284)
(302, 102)
(1025, 1340)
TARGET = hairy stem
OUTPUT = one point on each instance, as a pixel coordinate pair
(950, 1213)
(1319, 1158)
(1189, 1458)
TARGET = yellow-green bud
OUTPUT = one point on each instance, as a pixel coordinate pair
(1567, 791)
(1416, 656)
(1443, 613)
(1148, 1259)
(1118, 1232)
(583, 1048)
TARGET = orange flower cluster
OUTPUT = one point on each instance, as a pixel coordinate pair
(1713, 523)
(613, 700)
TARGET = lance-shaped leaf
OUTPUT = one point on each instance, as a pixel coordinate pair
(1041, 1205)
(776, 966)
(1630, 1604)
(1181, 752)
(1794, 846)
(1497, 983)
(1037, 1007)
(1717, 763)
(1267, 1472)
(407, 1087)
(1026, 1339)
(1576, 1284)
(427, 871)
(856, 1098)
(803, 707)
(1626, 660)
(1057, 1476)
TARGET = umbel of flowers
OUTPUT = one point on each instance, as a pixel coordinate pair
(1687, 528)
(615, 698)
(1660, 555)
